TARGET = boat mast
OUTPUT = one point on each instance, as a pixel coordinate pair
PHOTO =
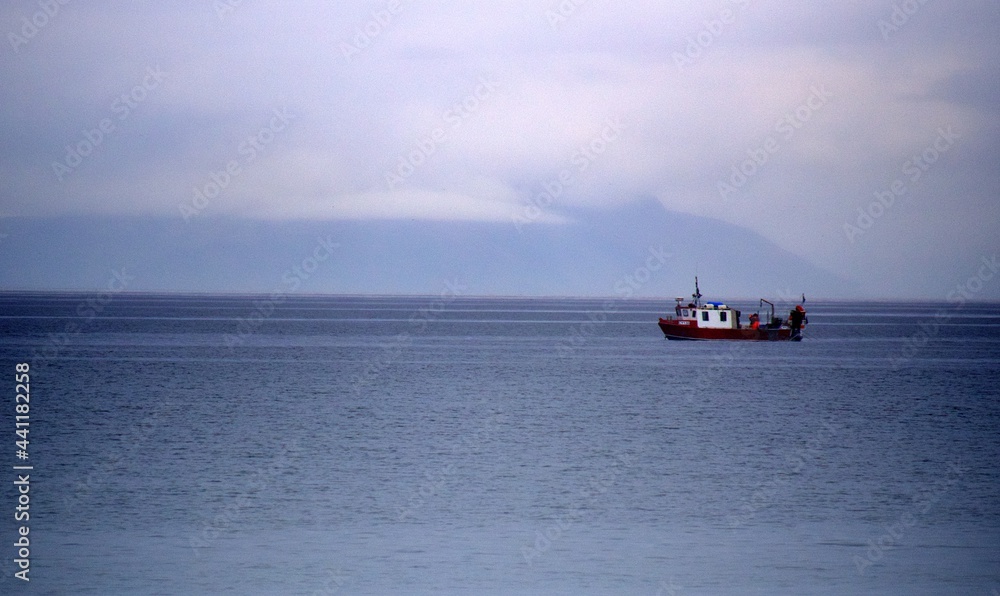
(697, 293)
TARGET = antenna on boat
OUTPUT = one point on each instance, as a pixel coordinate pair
(697, 293)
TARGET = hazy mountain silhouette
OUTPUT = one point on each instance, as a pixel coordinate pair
(590, 257)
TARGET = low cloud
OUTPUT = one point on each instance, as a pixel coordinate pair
(465, 113)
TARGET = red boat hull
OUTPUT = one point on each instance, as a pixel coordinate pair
(673, 329)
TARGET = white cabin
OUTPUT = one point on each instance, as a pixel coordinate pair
(712, 315)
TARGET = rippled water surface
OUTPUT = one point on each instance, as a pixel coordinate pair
(374, 445)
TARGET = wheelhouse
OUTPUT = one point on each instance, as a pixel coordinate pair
(711, 315)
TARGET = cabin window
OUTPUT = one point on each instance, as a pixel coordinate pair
(686, 312)
(722, 315)
(704, 315)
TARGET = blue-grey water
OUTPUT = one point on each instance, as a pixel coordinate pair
(459, 445)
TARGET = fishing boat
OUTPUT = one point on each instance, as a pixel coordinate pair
(715, 320)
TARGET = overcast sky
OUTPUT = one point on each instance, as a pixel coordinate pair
(783, 117)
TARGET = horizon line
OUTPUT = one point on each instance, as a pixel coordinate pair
(264, 294)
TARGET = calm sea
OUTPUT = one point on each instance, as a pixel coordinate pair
(458, 445)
